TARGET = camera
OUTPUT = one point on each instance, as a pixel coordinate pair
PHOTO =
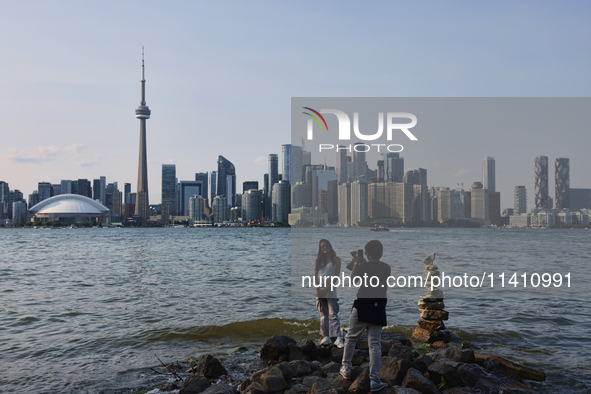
(359, 253)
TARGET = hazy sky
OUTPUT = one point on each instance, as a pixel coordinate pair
(220, 77)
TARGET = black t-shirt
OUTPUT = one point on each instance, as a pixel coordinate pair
(371, 301)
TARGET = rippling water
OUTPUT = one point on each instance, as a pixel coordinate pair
(87, 310)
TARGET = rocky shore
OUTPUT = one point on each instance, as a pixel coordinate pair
(289, 367)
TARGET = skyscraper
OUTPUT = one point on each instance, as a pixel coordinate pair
(519, 200)
(541, 182)
(393, 167)
(281, 201)
(273, 172)
(213, 185)
(359, 202)
(292, 163)
(203, 177)
(341, 166)
(44, 190)
(249, 185)
(142, 206)
(169, 188)
(562, 183)
(103, 190)
(225, 169)
(487, 172)
(359, 162)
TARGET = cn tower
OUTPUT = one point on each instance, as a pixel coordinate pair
(142, 205)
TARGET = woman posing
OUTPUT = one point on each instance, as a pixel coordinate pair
(327, 303)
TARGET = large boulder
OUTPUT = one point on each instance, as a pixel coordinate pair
(309, 348)
(208, 366)
(423, 362)
(295, 353)
(454, 354)
(277, 348)
(337, 381)
(300, 368)
(220, 388)
(320, 386)
(403, 390)
(298, 389)
(401, 351)
(194, 385)
(393, 370)
(497, 367)
(331, 367)
(256, 388)
(446, 370)
(273, 380)
(479, 378)
(415, 380)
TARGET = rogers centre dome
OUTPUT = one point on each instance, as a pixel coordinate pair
(70, 208)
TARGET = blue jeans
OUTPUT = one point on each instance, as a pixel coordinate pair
(330, 325)
(374, 340)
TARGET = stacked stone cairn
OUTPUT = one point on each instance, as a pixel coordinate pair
(431, 328)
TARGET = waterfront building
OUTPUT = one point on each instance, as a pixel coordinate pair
(341, 164)
(127, 192)
(521, 220)
(56, 189)
(96, 188)
(344, 209)
(33, 198)
(70, 208)
(519, 200)
(306, 161)
(487, 173)
(332, 197)
(44, 190)
(196, 209)
(19, 209)
(580, 198)
(109, 190)
(292, 163)
(4, 199)
(117, 206)
(169, 188)
(66, 187)
(420, 203)
(359, 162)
(220, 209)
(84, 188)
(213, 177)
(251, 205)
(299, 195)
(188, 189)
(393, 167)
(226, 169)
(479, 202)
(203, 177)
(444, 203)
(142, 112)
(103, 190)
(494, 206)
(359, 202)
(281, 201)
(306, 216)
(562, 183)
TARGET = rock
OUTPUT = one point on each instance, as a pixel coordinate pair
(256, 388)
(321, 385)
(309, 381)
(208, 366)
(447, 370)
(393, 337)
(403, 390)
(429, 259)
(287, 371)
(295, 353)
(393, 370)
(220, 388)
(361, 385)
(277, 348)
(273, 380)
(439, 345)
(454, 354)
(338, 381)
(168, 387)
(522, 370)
(495, 366)
(331, 367)
(300, 368)
(466, 345)
(298, 389)
(244, 385)
(415, 380)
(430, 314)
(430, 298)
(324, 353)
(359, 357)
(315, 365)
(309, 348)
(428, 336)
(194, 385)
(431, 305)
(336, 355)
(399, 350)
(423, 362)
(431, 325)
(477, 377)
(435, 292)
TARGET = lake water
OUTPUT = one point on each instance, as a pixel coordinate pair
(88, 310)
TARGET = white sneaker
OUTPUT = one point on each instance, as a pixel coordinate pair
(339, 342)
(325, 341)
(377, 386)
(345, 373)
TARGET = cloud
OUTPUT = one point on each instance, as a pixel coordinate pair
(76, 148)
(260, 160)
(36, 155)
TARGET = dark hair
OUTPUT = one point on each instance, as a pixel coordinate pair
(375, 249)
(320, 261)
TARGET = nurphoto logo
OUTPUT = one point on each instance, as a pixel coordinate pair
(344, 129)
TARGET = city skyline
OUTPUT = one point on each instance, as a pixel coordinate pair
(210, 94)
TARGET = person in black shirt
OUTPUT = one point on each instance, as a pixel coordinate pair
(369, 311)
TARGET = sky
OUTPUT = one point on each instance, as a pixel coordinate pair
(220, 77)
